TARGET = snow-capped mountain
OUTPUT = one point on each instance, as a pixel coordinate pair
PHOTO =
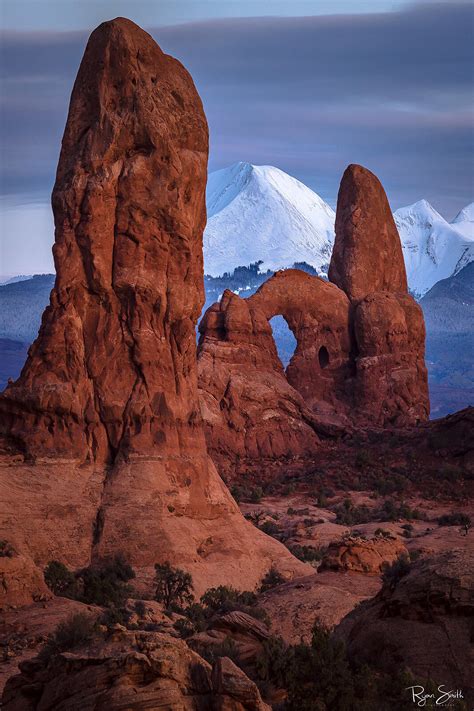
(464, 220)
(433, 248)
(261, 213)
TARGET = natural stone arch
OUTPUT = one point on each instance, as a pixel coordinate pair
(317, 313)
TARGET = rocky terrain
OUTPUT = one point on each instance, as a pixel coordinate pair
(130, 575)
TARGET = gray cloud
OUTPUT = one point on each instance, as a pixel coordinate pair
(392, 91)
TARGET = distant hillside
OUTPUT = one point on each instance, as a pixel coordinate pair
(449, 304)
(449, 316)
(21, 306)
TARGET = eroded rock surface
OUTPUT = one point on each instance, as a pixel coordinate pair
(249, 407)
(363, 556)
(140, 670)
(423, 622)
(102, 431)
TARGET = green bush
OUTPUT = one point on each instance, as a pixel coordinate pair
(211, 653)
(225, 599)
(363, 458)
(173, 585)
(393, 512)
(308, 554)
(392, 573)
(242, 492)
(107, 584)
(184, 627)
(271, 580)
(74, 632)
(455, 519)
(60, 580)
(350, 515)
(271, 529)
(115, 616)
(104, 584)
(383, 533)
(140, 608)
(392, 484)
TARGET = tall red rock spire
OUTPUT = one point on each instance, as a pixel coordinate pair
(106, 410)
(112, 369)
(367, 255)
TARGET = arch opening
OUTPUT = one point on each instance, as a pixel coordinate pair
(323, 357)
(284, 338)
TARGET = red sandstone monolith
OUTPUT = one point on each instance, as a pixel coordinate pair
(367, 254)
(106, 411)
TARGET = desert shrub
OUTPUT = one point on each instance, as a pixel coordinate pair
(322, 501)
(227, 599)
(271, 664)
(271, 580)
(227, 648)
(392, 484)
(107, 584)
(308, 554)
(242, 492)
(318, 676)
(197, 615)
(184, 627)
(389, 510)
(256, 494)
(60, 580)
(75, 631)
(115, 616)
(363, 458)
(236, 492)
(455, 519)
(350, 515)
(173, 585)
(271, 528)
(6, 549)
(256, 517)
(450, 472)
(383, 533)
(394, 572)
(140, 608)
(392, 512)
(104, 585)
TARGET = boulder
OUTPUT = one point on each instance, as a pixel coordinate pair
(363, 556)
(21, 581)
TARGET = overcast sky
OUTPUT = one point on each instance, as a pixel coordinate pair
(389, 86)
